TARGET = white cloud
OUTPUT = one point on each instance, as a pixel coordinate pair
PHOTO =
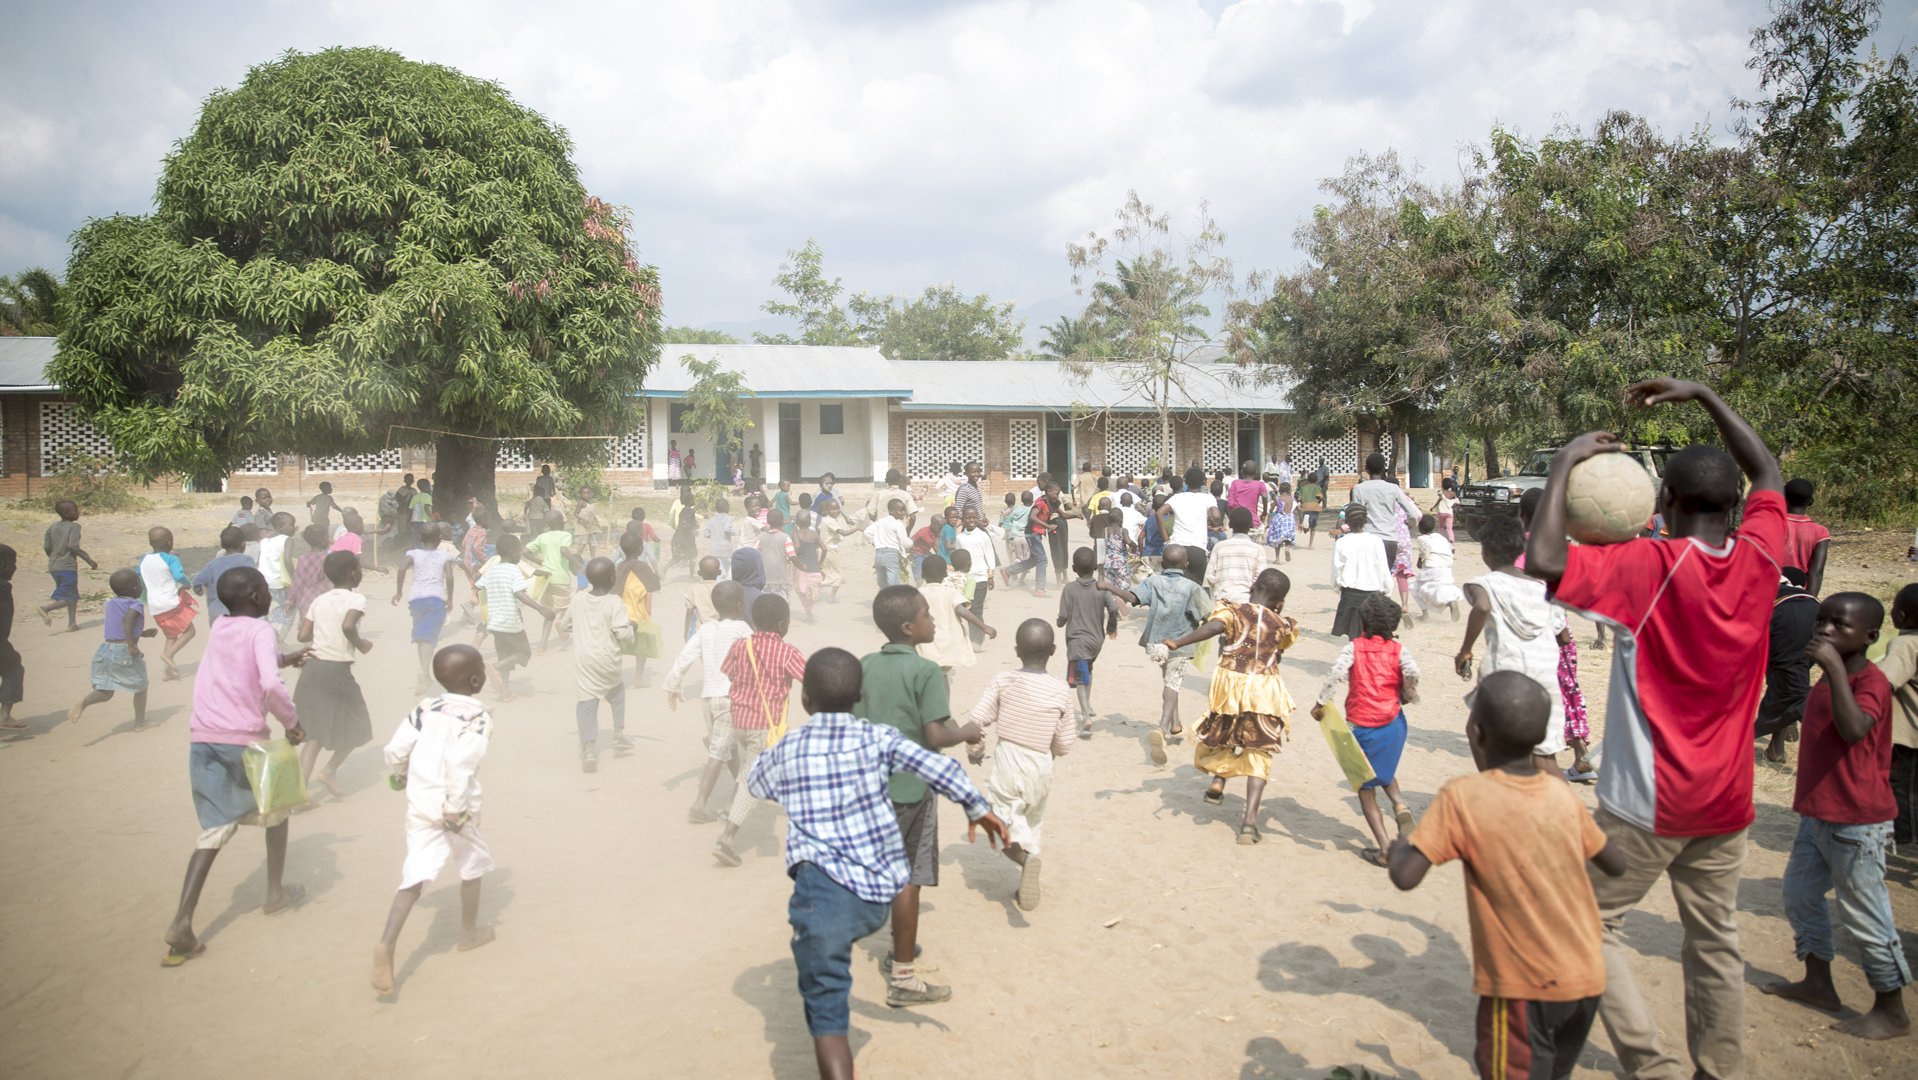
(918, 143)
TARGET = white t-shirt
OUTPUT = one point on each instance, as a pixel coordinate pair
(985, 559)
(888, 534)
(1189, 512)
(949, 646)
(163, 593)
(273, 560)
(328, 613)
(429, 572)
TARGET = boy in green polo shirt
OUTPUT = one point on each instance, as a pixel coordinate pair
(903, 690)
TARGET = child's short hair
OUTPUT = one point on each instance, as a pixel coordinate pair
(340, 566)
(1702, 479)
(894, 607)
(1528, 505)
(934, 567)
(832, 680)
(895, 506)
(1904, 607)
(639, 513)
(1285, 488)
(1379, 616)
(232, 538)
(775, 519)
(1427, 524)
(1798, 493)
(124, 583)
(326, 488)
(805, 500)
(1273, 582)
(1502, 540)
(246, 502)
(729, 596)
(1240, 519)
(315, 536)
(1084, 561)
(1871, 613)
(1512, 711)
(1034, 638)
(508, 547)
(1025, 497)
(951, 511)
(280, 520)
(721, 506)
(961, 560)
(709, 568)
(771, 613)
(238, 585)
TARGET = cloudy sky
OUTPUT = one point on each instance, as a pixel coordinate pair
(919, 142)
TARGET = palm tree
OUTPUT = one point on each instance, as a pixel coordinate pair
(1063, 338)
(30, 304)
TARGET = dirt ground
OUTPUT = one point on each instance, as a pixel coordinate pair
(1161, 948)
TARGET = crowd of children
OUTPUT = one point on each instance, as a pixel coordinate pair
(858, 779)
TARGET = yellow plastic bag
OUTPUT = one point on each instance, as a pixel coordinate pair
(1345, 747)
(273, 771)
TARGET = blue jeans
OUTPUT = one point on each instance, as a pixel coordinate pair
(886, 567)
(826, 919)
(1036, 562)
(1848, 859)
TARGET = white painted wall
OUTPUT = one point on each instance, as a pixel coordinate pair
(848, 453)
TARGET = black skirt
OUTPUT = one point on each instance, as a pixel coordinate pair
(331, 708)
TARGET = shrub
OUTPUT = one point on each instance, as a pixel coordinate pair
(92, 482)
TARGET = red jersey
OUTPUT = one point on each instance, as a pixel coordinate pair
(1840, 782)
(1372, 697)
(1802, 537)
(1693, 628)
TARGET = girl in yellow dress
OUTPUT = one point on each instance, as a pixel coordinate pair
(1248, 710)
(637, 583)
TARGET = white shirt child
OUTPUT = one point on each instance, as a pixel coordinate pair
(437, 750)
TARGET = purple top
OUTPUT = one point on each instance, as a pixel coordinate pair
(239, 683)
(116, 617)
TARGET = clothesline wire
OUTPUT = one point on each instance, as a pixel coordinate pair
(496, 438)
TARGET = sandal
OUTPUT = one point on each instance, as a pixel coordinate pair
(174, 958)
(1248, 834)
(1403, 814)
(1216, 795)
(1374, 856)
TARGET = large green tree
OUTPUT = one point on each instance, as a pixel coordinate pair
(353, 250)
(695, 335)
(30, 304)
(940, 323)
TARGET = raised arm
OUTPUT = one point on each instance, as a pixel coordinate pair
(1750, 451)
(1545, 550)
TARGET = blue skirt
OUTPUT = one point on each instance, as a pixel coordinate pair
(115, 668)
(1383, 747)
(221, 794)
(66, 586)
(429, 615)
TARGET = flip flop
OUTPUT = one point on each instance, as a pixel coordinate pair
(174, 959)
(1158, 747)
(294, 894)
(1248, 834)
(1404, 816)
(1374, 856)
(1215, 797)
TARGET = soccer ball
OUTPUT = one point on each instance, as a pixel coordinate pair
(1608, 499)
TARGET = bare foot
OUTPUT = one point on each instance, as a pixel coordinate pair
(289, 898)
(1817, 995)
(1775, 753)
(11, 724)
(46, 617)
(325, 780)
(382, 968)
(479, 936)
(1877, 1024)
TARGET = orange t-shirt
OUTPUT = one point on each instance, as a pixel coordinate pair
(1525, 841)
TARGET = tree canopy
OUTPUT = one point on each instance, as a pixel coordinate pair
(694, 335)
(349, 242)
(30, 304)
(941, 323)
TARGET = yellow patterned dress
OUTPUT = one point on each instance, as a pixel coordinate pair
(1247, 713)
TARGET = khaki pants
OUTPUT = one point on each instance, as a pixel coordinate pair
(749, 743)
(1704, 871)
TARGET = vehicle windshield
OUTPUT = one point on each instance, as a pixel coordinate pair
(1540, 464)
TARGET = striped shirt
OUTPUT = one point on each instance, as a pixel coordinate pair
(1233, 566)
(1031, 709)
(762, 668)
(831, 778)
(502, 585)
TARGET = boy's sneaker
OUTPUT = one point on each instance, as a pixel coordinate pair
(918, 992)
(589, 758)
(621, 742)
(918, 962)
(1028, 895)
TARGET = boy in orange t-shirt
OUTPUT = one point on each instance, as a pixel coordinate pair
(1524, 838)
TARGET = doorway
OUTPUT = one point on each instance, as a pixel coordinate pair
(789, 441)
(1059, 448)
(1249, 440)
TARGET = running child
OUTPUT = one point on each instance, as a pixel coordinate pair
(118, 664)
(951, 615)
(232, 554)
(277, 557)
(1525, 839)
(550, 562)
(167, 601)
(1846, 811)
(309, 573)
(638, 583)
(1248, 711)
(1176, 607)
(1806, 541)
(1033, 716)
(587, 525)
(64, 556)
(903, 690)
(974, 541)
(1381, 678)
(1082, 614)
(844, 849)
(648, 536)
(237, 685)
(1359, 569)
(504, 588)
(13, 672)
(1511, 610)
(1311, 504)
(1900, 665)
(718, 533)
(762, 668)
(320, 507)
(1434, 587)
(808, 558)
(708, 647)
(332, 707)
(432, 588)
(699, 596)
(1115, 572)
(1282, 527)
(776, 554)
(602, 631)
(435, 754)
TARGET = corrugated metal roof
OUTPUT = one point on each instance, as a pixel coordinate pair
(23, 363)
(1107, 386)
(784, 370)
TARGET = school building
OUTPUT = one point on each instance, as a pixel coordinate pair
(815, 409)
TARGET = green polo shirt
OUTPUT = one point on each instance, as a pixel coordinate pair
(904, 690)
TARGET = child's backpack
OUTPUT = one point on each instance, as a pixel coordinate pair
(390, 505)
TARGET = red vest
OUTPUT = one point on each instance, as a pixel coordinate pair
(1373, 697)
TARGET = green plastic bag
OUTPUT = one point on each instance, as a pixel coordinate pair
(273, 771)
(1345, 747)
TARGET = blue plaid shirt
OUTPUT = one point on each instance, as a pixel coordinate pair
(830, 776)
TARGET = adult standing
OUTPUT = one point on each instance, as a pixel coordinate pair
(1675, 796)
(1185, 519)
(1084, 484)
(1381, 499)
(1247, 491)
(968, 495)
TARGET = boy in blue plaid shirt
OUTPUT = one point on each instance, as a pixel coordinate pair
(843, 849)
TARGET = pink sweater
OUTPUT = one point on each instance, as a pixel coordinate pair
(238, 684)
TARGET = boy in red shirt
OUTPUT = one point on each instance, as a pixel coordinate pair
(1845, 812)
(1524, 839)
(1693, 616)
(1806, 541)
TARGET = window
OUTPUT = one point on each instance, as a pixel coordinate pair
(832, 419)
(676, 419)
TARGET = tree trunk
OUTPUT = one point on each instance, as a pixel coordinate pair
(463, 467)
(1491, 456)
(207, 482)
